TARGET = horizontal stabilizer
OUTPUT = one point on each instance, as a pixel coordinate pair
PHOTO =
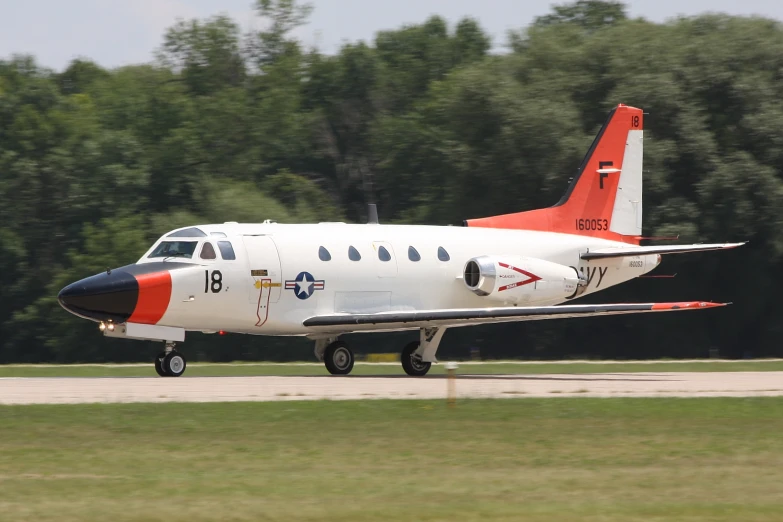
(604, 253)
(471, 316)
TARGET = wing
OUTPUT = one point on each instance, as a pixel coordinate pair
(603, 253)
(469, 316)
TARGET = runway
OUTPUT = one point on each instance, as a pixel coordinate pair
(76, 390)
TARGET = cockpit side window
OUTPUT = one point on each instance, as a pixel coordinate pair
(226, 250)
(208, 251)
(188, 232)
(179, 249)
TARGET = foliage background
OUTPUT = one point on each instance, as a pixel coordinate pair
(95, 164)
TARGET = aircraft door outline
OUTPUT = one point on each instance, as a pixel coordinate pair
(265, 275)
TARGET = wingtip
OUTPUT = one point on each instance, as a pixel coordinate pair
(711, 304)
(687, 305)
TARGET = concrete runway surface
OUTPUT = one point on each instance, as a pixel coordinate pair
(73, 390)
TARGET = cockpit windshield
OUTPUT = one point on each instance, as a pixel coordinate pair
(179, 249)
(188, 232)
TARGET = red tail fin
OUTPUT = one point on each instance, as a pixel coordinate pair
(605, 197)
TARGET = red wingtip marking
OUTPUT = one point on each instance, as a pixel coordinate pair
(154, 297)
(686, 305)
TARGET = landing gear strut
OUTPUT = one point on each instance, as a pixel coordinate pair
(418, 356)
(411, 361)
(170, 363)
(338, 358)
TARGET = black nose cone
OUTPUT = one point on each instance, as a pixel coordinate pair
(103, 297)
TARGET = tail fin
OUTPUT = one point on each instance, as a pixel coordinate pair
(605, 197)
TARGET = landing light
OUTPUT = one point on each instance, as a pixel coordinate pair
(103, 326)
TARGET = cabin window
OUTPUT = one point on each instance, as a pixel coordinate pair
(384, 254)
(353, 254)
(218, 234)
(182, 249)
(442, 254)
(208, 251)
(188, 232)
(324, 254)
(226, 250)
(413, 254)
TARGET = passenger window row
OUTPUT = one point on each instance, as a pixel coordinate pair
(383, 254)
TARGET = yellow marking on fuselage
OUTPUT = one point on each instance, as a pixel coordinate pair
(259, 285)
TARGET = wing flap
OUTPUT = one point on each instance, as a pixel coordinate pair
(471, 316)
(604, 253)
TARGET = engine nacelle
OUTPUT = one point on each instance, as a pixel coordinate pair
(522, 280)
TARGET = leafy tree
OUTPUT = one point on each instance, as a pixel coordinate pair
(207, 54)
(96, 164)
(80, 76)
(283, 16)
(588, 14)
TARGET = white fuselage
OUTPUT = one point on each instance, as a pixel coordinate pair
(266, 290)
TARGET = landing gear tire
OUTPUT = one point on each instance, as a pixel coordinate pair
(159, 364)
(174, 364)
(338, 358)
(412, 363)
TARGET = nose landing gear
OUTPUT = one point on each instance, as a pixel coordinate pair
(170, 363)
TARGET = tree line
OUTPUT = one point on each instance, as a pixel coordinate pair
(95, 164)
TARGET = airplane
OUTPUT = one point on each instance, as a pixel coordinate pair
(328, 279)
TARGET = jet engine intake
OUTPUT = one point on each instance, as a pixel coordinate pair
(521, 280)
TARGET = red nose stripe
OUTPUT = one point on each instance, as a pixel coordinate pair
(154, 296)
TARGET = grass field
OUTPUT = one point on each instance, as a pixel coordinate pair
(515, 459)
(514, 367)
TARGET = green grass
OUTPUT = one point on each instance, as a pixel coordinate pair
(514, 459)
(209, 369)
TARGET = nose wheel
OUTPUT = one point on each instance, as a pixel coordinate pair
(170, 363)
(159, 364)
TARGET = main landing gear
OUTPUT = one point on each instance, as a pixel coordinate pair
(411, 361)
(170, 363)
(417, 357)
(336, 356)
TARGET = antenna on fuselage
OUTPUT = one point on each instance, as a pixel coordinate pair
(372, 214)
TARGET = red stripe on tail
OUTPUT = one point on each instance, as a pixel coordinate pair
(588, 204)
